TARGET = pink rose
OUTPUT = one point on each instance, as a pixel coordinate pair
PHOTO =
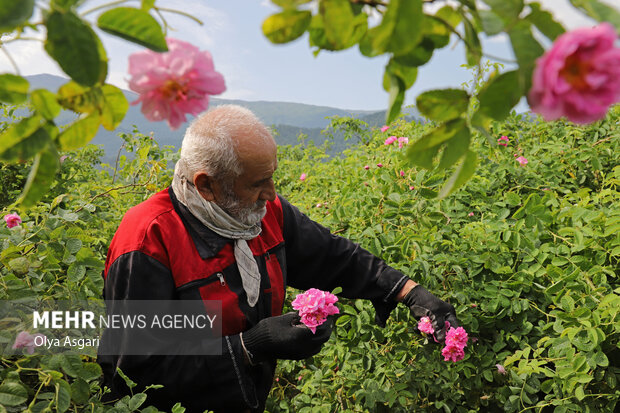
(314, 307)
(425, 325)
(500, 369)
(452, 353)
(456, 337)
(402, 173)
(411, 188)
(402, 141)
(579, 77)
(471, 214)
(302, 177)
(26, 340)
(366, 167)
(522, 160)
(12, 220)
(390, 140)
(174, 83)
(384, 128)
(503, 141)
(379, 165)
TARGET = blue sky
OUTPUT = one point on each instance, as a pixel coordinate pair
(256, 69)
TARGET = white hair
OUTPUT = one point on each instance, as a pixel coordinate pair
(208, 144)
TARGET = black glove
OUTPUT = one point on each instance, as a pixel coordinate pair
(424, 304)
(283, 337)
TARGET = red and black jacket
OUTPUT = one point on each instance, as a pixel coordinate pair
(162, 252)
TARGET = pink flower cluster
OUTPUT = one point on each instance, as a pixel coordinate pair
(456, 340)
(384, 128)
(26, 340)
(579, 77)
(175, 83)
(522, 160)
(401, 141)
(12, 220)
(425, 325)
(314, 306)
(503, 141)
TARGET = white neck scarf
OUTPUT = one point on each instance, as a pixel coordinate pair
(217, 220)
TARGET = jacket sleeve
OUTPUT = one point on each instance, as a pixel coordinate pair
(197, 381)
(317, 258)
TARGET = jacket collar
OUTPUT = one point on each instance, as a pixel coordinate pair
(207, 242)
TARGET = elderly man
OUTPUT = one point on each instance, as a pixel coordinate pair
(221, 232)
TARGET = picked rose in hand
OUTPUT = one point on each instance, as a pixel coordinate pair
(314, 306)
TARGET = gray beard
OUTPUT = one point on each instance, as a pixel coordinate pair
(251, 215)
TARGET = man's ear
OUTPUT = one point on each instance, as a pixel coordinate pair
(204, 185)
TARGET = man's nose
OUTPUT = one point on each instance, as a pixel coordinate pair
(269, 192)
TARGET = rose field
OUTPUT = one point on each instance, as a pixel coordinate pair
(528, 252)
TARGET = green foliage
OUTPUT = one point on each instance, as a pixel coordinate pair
(532, 273)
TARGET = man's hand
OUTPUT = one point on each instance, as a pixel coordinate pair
(424, 304)
(283, 337)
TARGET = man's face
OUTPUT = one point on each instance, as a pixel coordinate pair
(246, 198)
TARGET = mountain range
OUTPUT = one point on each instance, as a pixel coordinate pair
(287, 118)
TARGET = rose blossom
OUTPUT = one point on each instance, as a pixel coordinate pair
(452, 353)
(12, 220)
(402, 173)
(425, 325)
(175, 83)
(402, 141)
(579, 77)
(26, 340)
(303, 177)
(390, 140)
(314, 307)
(384, 128)
(456, 337)
(366, 167)
(522, 160)
(379, 165)
(500, 369)
(471, 214)
(503, 141)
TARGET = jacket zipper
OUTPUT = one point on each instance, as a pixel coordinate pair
(204, 281)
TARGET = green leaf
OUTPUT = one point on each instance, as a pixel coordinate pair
(543, 20)
(507, 9)
(286, 26)
(407, 74)
(424, 158)
(114, 108)
(73, 44)
(147, 5)
(79, 98)
(130, 383)
(398, 32)
(17, 132)
(41, 176)
(19, 265)
(13, 89)
(134, 25)
(79, 133)
(407, 30)
(492, 24)
(30, 146)
(460, 176)
(437, 135)
(80, 391)
(319, 38)
(397, 96)
(455, 148)
(421, 54)
(443, 104)
(337, 20)
(12, 393)
(177, 408)
(136, 401)
(500, 95)
(527, 49)
(287, 4)
(90, 371)
(63, 396)
(473, 49)
(64, 4)
(599, 11)
(13, 13)
(45, 103)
